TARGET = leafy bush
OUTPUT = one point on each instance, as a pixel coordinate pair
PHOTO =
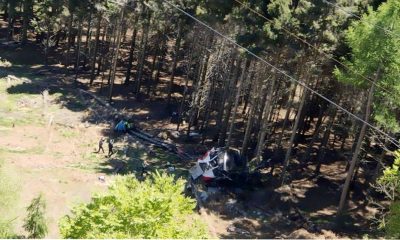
(392, 226)
(35, 222)
(389, 184)
(154, 208)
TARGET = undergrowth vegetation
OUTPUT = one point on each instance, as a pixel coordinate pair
(154, 208)
(389, 184)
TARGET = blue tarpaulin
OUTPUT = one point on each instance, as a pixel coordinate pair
(121, 126)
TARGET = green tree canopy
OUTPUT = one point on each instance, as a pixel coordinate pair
(154, 208)
(375, 47)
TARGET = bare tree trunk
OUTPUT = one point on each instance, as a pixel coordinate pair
(249, 126)
(5, 9)
(143, 44)
(360, 140)
(78, 50)
(288, 107)
(226, 88)
(96, 48)
(88, 38)
(131, 51)
(228, 107)
(115, 58)
(11, 19)
(239, 87)
(324, 142)
(294, 132)
(263, 130)
(175, 60)
(26, 18)
(101, 59)
(68, 45)
(47, 46)
(379, 165)
(315, 134)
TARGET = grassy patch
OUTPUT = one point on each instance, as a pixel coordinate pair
(18, 109)
(68, 133)
(34, 150)
(89, 161)
(9, 190)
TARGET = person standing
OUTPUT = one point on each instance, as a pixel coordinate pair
(110, 147)
(101, 145)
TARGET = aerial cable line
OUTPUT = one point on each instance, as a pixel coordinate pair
(391, 139)
(317, 49)
(359, 17)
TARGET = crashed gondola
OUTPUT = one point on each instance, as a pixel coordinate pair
(219, 164)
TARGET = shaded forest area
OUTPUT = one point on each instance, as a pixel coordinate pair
(171, 72)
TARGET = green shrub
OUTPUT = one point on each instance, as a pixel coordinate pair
(389, 184)
(390, 180)
(35, 222)
(392, 226)
(155, 208)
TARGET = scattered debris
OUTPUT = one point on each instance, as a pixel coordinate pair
(171, 169)
(237, 230)
(102, 178)
(203, 196)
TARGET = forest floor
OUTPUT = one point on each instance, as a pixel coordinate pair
(49, 146)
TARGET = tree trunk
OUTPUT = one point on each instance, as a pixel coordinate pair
(263, 130)
(5, 9)
(288, 107)
(47, 46)
(379, 165)
(115, 58)
(239, 87)
(175, 60)
(88, 37)
(11, 19)
(228, 107)
(360, 140)
(78, 50)
(143, 44)
(101, 59)
(26, 18)
(294, 131)
(96, 47)
(315, 134)
(131, 51)
(324, 142)
(253, 108)
(69, 41)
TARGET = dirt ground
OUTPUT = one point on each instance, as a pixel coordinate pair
(50, 149)
(43, 159)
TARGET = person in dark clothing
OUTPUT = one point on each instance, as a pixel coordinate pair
(144, 169)
(101, 145)
(110, 147)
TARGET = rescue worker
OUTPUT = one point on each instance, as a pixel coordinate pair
(101, 145)
(110, 147)
(144, 168)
